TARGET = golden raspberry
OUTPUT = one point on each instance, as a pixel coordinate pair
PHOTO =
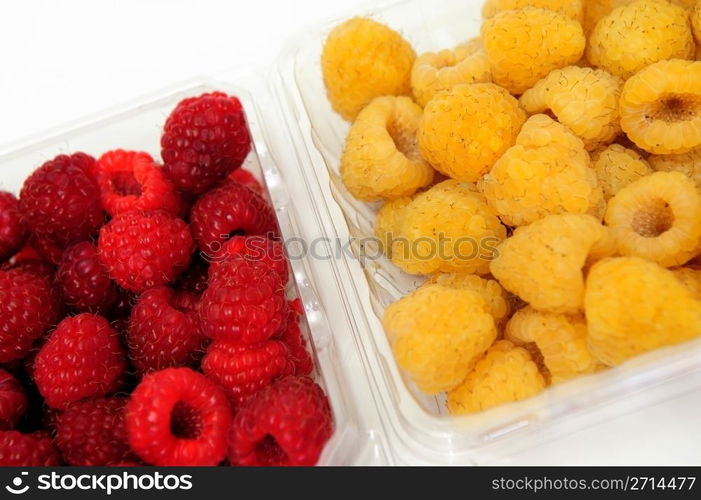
(525, 45)
(380, 159)
(688, 164)
(505, 374)
(570, 8)
(691, 279)
(616, 167)
(466, 129)
(583, 99)
(363, 59)
(661, 107)
(387, 222)
(634, 306)
(658, 218)
(639, 34)
(434, 72)
(594, 11)
(491, 291)
(696, 23)
(543, 263)
(559, 340)
(547, 172)
(437, 335)
(449, 228)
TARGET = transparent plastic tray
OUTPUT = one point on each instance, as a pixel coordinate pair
(417, 428)
(138, 126)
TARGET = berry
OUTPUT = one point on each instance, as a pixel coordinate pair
(641, 33)
(204, 139)
(164, 330)
(690, 278)
(83, 281)
(658, 218)
(696, 23)
(82, 358)
(29, 260)
(435, 72)
(257, 248)
(294, 341)
(661, 107)
(559, 340)
(570, 8)
(60, 201)
(505, 374)
(449, 228)
(466, 129)
(617, 167)
(27, 450)
(177, 417)
(285, 424)
(547, 172)
(544, 263)
(380, 158)
(245, 302)
(495, 297)
(361, 60)
(525, 45)
(688, 164)
(131, 180)
(387, 223)
(634, 306)
(93, 433)
(437, 334)
(49, 250)
(583, 99)
(243, 369)
(145, 249)
(13, 232)
(245, 177)
(29, 308)
(230, 210)
(13, 401)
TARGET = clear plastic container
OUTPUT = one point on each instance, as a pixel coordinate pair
(416, 427)
(138, 126)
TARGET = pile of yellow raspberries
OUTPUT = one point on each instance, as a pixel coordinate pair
(544, 177)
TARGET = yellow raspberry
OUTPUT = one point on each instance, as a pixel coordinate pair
(380, 159)
(547, 172)
(505, 374)
(658, 218)
(696, 23)
(466, 129)
(634, 306)
(688, 164)
(559, 340)
(583, 99)
(437, 335)
(491, 291)
(639, 34)
(616, 167)
(363, 59)
(570, 8)
(661, 107)
(594, 11)
(449, 228)
(435, 72)
(387, 222)
(525, 45)
(691, 279)
(544, 263)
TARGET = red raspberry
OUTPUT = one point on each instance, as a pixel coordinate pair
(29, 260)
(245, 302)
(13, 400)
(81, 359)
(83, 280)
(243, 369)
(29, 307)
(177, 417)
(49, 250)
(227, 211)
(285, 423)
(204, 139)
(245, 177)
(145, 249)
(196, 278)
(254, 248)
(293, 339)
(60, 201)
(93, 433)
(13, 232)
(164, 330)
(27, 450)
(131, 180)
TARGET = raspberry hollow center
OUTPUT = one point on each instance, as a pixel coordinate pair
(404, 141)
(676, 108)
(185, 421)
(270, 452)
(653, 220)
(125, 184)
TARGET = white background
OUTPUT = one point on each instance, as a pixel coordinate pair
(62, 60)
